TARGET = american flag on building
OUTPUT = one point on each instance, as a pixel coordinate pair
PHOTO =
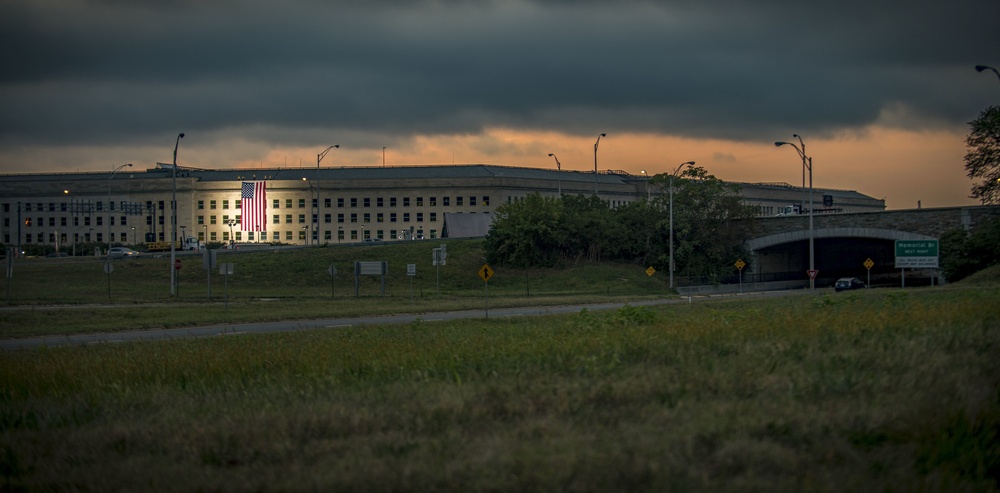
(254, 206)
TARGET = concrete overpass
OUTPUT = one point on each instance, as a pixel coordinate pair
(843, 242)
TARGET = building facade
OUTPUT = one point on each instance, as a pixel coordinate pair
(315, 205)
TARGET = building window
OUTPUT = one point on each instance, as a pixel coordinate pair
(239, 204)
(302, 203)
(379, 202)
(340, 218)
(276, 219)
(486, 200)
(328, 218)
(201, 219)
(340, 202)
(354, 217)
(406, 201)
(420, 201)
(288, 235)
(327, 202)
(201, 204)
(354, 201)
(340, 234)
(211, 204)
(327, 236)
(368, 217)
(472, 200)
(288, 203)
(458, 201)
(211, 219)
(446, 201)
(434, 217)
(225, 204)
(406, 217)
(420, 217)
(392, 201)
(212, 236)
(276, 204)
(433, 202)
(392, 217)
(288, 219)
(380, 217)
(434, 233)
(368, 202)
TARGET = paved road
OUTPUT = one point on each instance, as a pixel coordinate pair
(332, 323)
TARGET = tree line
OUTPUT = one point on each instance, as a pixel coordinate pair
(710, 224)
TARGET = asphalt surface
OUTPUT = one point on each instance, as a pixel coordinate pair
(223, 330)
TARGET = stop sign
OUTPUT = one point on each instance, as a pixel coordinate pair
(177, 264)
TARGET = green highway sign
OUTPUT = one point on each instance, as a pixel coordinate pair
(917, 254)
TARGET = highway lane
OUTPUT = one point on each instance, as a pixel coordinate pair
(337, 323)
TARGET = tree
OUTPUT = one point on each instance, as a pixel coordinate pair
(983, 159)
(526, 233)
(963, 254)
(711, 223)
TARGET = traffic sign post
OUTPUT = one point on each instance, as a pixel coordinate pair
(485, 273)
(868, 266)
(919, 254)
(411, 272)
(812, 273)
(740, 264)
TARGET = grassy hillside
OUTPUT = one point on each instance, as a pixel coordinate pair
(289, 284)
(882, 390)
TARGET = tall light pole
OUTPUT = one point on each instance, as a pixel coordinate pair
(173, 220)
(113, 173)
(980, 68)
(672, 176)
(644, 175)
(558, 172)
(598, 142)
(806, 163)
(319, 157)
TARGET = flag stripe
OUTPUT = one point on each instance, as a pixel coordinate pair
(254, 205)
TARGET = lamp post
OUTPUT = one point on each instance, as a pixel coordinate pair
(558, 172)
(183, 233)
(306, 229)
(173, 220)
(133, 235)
(644, 175)
(806, 163)
(340, 233)
(231, 222)
(598, 142)
(671, 189)
(980, 68)
(319, 157)
(113, 173)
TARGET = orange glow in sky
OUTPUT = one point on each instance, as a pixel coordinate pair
(902, 167)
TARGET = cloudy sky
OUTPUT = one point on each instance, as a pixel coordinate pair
(880, 91)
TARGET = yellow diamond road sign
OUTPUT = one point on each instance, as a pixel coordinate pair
(740, 264)
(486, 272)
(869, 264)
(650, 271)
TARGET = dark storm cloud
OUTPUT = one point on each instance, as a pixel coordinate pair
(90, 71)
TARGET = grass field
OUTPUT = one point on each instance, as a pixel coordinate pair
(71, 295)
(883, 390)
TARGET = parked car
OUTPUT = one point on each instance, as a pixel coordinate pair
(57, 255)
(122, 252)
(846, 283)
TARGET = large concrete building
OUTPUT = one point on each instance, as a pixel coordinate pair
(319, 205)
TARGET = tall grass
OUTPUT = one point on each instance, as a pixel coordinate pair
(889, 391)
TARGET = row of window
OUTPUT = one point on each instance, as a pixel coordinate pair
(64, 221)
(354, 201)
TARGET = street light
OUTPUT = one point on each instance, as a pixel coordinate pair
(598, 142)
(672, 176)
(173, 219)
(558, 171)
(806, 163)
(231, 222)
(980, 68)
(319, 157)
(644, 175)
(113, 173)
